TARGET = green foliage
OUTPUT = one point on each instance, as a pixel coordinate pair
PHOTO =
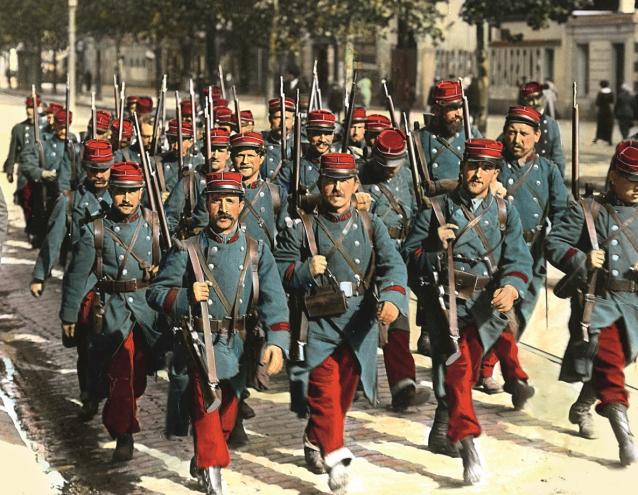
(536, 13)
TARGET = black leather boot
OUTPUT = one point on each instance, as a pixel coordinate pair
(423, 345)
(616, 413)
(472, 469)
(580, 414)
(124, 448)
(238, 437)
(521, 393)
(438, 442)
(410, 395)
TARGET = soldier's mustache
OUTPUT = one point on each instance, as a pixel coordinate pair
(224, 216)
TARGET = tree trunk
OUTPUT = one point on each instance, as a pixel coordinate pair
(211, 49)
(55, 71)
(271, 69)
(483, 69)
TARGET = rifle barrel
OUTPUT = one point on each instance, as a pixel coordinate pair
(575, 145)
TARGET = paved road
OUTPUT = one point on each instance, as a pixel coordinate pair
(528, 452)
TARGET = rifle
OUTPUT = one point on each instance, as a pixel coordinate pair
(152, 188)
(163, 126)
(222, 85)
(39, 145)
(349, 114)
(282, 125)
(116, 94)
(191, 90)
(414, 166)
(236, 103)
(467, 126)
(389, 104)
(312, 104)
(207, 121)
(67, 136)
(93, 116)
(575, 144)
(206, 370)
(296, 157)
(180, 137)
(121, 115)
(158, 111)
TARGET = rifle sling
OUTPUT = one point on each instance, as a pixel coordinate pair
(396, 206)
(203, 306)
(589, 299)
(451, 283)
(448, 146)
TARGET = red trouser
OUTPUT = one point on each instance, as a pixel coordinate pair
(505, 350)
(399, 363)
(211, 430)
(608, 378)
(127, 382)
(331, 389)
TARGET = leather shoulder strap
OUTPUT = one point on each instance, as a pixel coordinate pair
(275, 197)
(438, 209)
(98, 241)
(254, 262)
(502, 213)
(587, 207)
(152, 218)
(307, 223)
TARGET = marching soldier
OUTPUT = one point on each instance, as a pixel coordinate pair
(479, 237)
(246, 120)
(58, 172)
(273, 163)
(320, 128)
(443, 143)
(357, 142)
(246, 270)
(549, 145)
(535, 186)
(346, 268)
(110, 270)
(443, 140)
(265, 204)
(22, 134)
(124, 152)
(186, 205)
(71, 212)
(169, 161)
(375, 123)
(389, 184)
(596, 245)
(52, 109)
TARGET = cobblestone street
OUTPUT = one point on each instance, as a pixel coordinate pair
(535, 451)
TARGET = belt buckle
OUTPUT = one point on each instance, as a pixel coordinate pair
(346, 288)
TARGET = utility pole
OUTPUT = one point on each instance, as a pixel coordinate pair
(73, 4)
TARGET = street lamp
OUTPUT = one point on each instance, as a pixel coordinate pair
(73, 4)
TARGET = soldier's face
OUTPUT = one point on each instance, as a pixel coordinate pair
(98, 178)
(50, 118)
(248, 162)
(218, 158)
(536, 101)
(451, 118)
(275, 122)
(126, 200)
(60, 131)
(103, 135)
(477, 177)
(223, 211)
(320, 141)
(250, 127)
(337, 193)
(625, 189)
(147, 135)
(520, 139)
(30, 113)
(357, 132)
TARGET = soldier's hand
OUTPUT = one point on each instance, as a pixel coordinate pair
(318, 265)
(446, 233)
(497, 189)
(36, 288)
(364, 201)
(504, 298)
(49, 175)
(68, 329)
(200, 291)
(273, 359)
(387, 312)
(595, 259)
(10, 177)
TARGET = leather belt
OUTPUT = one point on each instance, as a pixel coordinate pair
(621, 285)
(223, 326)
(117, 286)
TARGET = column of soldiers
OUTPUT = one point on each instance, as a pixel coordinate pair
(307, 261)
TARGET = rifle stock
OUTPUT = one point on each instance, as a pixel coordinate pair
(575, 145)
(467, 125)
(349, 115)
(193, 113)
(158, 112)
(180, 137)
(296, 158)
(390, 104)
